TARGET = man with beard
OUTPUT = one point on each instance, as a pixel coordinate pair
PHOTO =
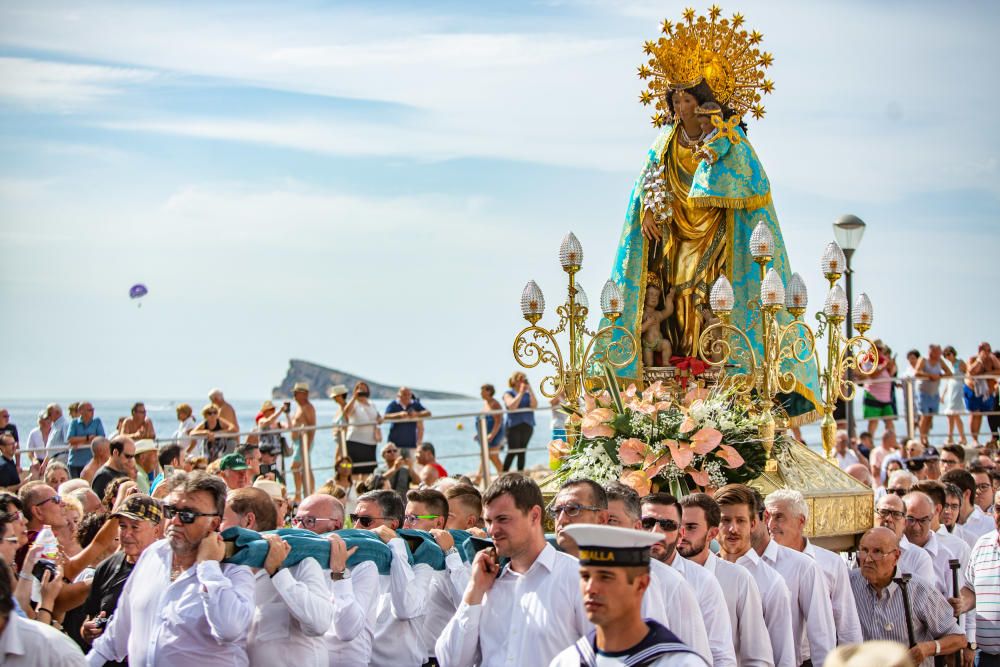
(139, 525)
(669, 599)
(614, 573)
(700, 516)
(738, 511)
(661, 514)
(188, 608)
(527, 611)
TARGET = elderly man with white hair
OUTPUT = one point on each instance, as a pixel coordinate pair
(787, 513)
(226, 411)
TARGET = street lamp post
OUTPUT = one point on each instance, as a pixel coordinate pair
(848, 230)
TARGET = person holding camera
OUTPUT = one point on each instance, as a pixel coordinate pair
(406, 434)
(520, 425)
(139, 518)
(363, 432)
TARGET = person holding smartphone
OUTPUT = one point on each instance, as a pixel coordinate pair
(520, 425)
(363, 432)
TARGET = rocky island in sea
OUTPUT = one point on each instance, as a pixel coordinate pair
(321, 378)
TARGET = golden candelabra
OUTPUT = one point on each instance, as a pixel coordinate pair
(842, 353)
(760, 379)
(581, 368)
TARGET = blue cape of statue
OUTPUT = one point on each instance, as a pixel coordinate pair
(737, 183)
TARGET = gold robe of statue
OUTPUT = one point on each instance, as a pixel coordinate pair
(692, 253)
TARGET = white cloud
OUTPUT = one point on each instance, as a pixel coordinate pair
(63, 86)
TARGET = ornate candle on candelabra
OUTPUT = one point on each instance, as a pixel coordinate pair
(842, 354)
(581, 369)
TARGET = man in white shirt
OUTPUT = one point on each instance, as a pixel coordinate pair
(293, 604)
(670, 599)
(973, 523)
(738, 510)
(355, 590)
(700, 516)
(814, 631)
(26, 643)
(402, 602)
(58, 442)
(181, 605)
(614, 573)
(890, 512)
(787, 513)
(427, 509)
(846, 457)
(527, 611)
(660, 513)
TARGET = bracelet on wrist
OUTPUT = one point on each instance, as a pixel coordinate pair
(41, 609)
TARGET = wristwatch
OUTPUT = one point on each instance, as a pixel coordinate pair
(937, 647)
(337, 576)
(972, 646)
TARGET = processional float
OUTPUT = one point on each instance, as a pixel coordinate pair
(703, 365)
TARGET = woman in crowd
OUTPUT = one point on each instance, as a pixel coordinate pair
(185, 424)
(269, 419)
(138, 426)
(397, 475)
(952, 399)
(344, 480)
(520, 425)
(494, 427)
(210, 428)
(362, 439)
(878, 403)
(40, 435)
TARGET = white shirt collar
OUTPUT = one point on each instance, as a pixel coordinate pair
(750, 557)
(546, 558)
(771, 551)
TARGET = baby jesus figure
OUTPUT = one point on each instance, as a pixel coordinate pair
(652, 317)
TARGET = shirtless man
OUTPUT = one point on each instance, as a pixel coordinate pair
(980, 394)
(226, 410)
(305, 415)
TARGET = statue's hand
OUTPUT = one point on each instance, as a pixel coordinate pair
(650, 228)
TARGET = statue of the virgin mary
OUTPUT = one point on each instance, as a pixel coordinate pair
(693, 209)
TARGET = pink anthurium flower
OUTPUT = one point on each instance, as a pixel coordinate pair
(638, 480)
(702, 442)
(700, 478)
(696, 394)
(730, 456)
(595, 423)
(632, 451)
(652, 466)
(558, 449)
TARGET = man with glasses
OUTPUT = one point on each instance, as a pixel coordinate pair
(669, 599)
(738, 519)
(121, 463)
(427, 509)
(182, 605)
(952, 457)
(402, 601)
(527, 611)
(661, 514)
(294, 606)
(881, 608)
(42, 506)
(890, 513)
(973, 522)
(900, 482)
(984, 487)
(813, 628)
(82, 430)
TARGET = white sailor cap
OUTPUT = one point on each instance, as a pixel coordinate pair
(612, 545)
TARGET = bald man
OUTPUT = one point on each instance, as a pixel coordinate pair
(890, 512)
(880, 602)
(860, 472)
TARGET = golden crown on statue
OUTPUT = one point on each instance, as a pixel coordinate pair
(709, 49)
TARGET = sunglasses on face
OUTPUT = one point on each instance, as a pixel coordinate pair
(571, 510)
(128, 456)
(365, 521)
(413, 518)
(10, 540)
(898, 492)
(665, 524)
(186, 516)
(309, 522)
(57, 499)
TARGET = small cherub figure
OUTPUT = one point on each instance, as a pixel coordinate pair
(652, 317)
(708, 318)
(705, 113)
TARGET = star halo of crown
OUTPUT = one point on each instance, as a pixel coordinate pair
(711, 49)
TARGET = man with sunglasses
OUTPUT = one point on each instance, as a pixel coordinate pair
(294, 607)
(182, 605)
(42, 506)
(669, 600)
(354, 590)
(661, 514)
(890, 512)
(121, 463)
(402, 601)
(427, 509)
(880, 602)
(527, 611)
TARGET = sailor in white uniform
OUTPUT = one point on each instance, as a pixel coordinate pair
(614, 574)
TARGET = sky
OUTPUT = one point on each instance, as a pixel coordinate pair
(369, 185)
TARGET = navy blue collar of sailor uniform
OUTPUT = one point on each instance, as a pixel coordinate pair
(657, 642)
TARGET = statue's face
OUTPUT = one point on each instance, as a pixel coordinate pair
(652, 295)
(684, 104)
